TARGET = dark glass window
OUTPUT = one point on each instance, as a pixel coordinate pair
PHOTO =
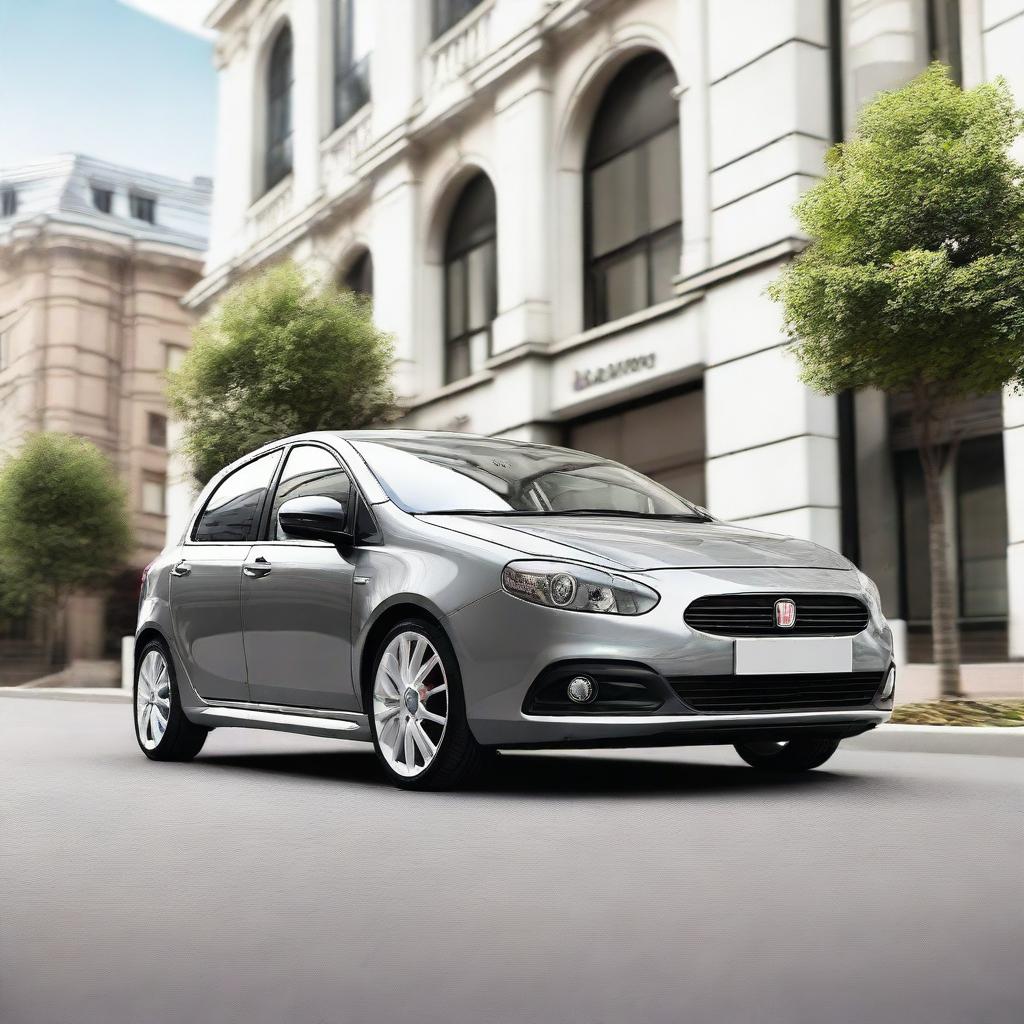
(8, 202)
(944, 34)
(156, 429)
(352, 46)
(979, 529)
(633, 195)
(231, 512)
(359, 276)
(309, 470)
(102, 199)
(142, 207)
(279, 110)
(470, 279)
(448, 13)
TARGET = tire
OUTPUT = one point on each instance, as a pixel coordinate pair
(791, 756)
(401, 718)
(155, 694)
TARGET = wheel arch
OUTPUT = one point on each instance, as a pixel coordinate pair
(147, 634)
(387, 619)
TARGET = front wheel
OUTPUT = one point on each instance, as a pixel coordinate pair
(163, 731)
(418, 712)
(788, 755)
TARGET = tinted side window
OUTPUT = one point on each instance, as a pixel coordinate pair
(309, 470)
(231, 511)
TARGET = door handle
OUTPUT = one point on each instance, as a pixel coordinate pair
(182, 568)
(260, 567)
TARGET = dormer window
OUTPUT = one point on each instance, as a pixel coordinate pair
(142, 207)
(102, 199)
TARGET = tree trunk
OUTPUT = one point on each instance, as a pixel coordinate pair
(945, 633)
(935, 456)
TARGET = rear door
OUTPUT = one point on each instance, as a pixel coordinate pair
(297, 598)
(206, 612)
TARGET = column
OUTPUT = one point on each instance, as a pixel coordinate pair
(403, 305)
(522, 131)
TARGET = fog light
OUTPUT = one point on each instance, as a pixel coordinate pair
(581, 690)
(890, 685)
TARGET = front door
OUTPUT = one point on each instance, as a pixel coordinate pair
(297, 599)
(206, 611)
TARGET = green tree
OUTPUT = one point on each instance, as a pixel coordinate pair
(913, 282)
(63, 526)
(279, 356)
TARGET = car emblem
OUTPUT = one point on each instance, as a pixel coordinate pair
(785, 613)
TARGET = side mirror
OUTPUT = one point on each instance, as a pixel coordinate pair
(315, 517)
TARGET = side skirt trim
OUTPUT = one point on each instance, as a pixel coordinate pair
(347, 725)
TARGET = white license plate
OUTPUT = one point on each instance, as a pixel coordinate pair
(783, 655)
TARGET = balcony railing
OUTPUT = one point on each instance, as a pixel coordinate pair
(269, 212)
(459, 49)
(341, 150)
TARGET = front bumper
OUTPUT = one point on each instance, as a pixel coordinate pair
(504, 644)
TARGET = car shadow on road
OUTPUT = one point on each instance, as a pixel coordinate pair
(562, 774)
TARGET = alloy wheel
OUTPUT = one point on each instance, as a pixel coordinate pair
(153, 700)
(410, 703)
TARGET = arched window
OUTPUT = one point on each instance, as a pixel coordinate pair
(279, 110)
(359, 276)
(470, 279)
(633, 194)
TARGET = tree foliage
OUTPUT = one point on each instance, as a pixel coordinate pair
(63, 521)
(279, 356)
(914, 279)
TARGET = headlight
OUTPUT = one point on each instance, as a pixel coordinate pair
(577, 588)
(871, 590)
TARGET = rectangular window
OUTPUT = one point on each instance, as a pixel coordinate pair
(978, 527)
(8, 202)
(142, 207)
(174, 356)
(448, 13)
(102, 199)
(353, 44)
(156, 429)
(154, 489)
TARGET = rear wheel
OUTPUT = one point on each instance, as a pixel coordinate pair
(788, 755)
(418, 712)
(163, 731)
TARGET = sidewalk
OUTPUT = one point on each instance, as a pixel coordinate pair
(910, 739)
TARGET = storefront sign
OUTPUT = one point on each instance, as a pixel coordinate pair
(584, 379)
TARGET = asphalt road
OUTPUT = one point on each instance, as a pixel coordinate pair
(278, 879)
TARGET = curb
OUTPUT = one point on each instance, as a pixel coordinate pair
(98, 694)
(990, 740)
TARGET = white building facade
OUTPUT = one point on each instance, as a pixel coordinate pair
(567, 212)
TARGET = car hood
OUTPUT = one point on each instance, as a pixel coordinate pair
(624, 543)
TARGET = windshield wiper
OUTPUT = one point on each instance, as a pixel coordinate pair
(544, 513)
(626, 513)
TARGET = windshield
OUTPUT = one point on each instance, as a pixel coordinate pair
(488, 476)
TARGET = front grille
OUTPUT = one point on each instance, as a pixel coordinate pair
(754, 615)
(721, 695)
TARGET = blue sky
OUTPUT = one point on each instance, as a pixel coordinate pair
(101, 78)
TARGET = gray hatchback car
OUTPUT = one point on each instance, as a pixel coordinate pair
(444, 595)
